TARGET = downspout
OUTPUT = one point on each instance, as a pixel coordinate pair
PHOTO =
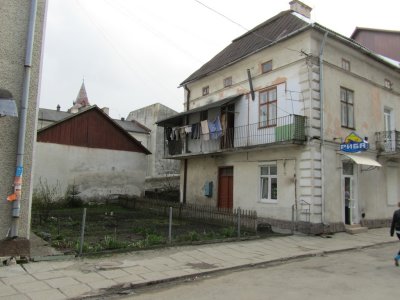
(186, 147)
(321, 93)
(16, 204)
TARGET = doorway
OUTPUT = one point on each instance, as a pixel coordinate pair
(228, 126)
(349, 194)
(225, 187)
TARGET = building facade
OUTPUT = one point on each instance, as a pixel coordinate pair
(15, 63)
(384, 42)
(90, 154)
(267, 120)
(161, 173)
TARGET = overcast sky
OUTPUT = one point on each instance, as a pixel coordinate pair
(135, 53)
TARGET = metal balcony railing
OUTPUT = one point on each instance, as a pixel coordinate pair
(281, 130)
(388, 141)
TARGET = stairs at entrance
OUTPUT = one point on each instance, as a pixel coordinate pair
(355, 228)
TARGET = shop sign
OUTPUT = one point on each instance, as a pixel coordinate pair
(354, 143)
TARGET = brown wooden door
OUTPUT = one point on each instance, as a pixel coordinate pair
(225, 187)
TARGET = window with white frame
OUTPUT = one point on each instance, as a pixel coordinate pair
(268, 183)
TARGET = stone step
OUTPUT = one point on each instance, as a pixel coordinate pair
(355, 228)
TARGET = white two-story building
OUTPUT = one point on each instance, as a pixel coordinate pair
(268, 120)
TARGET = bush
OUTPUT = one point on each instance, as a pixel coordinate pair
(72, 199)
(45, 197)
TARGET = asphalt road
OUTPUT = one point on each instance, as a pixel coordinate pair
(359, 274)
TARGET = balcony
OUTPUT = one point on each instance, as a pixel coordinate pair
(285, 130)
(388, 142)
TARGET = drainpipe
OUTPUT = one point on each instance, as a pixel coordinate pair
(16, 204)
(186, 141)
(321, 93)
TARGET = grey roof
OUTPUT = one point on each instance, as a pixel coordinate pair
(133, 126)
(178, 118)
(261, 36)
(52, 115)
(278, 28)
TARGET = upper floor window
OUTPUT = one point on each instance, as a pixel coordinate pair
(268, 108)
(203, 115)
(269, 183)
(228, 81)
(388, 84)
(206, 90)
(266, 67)
(345, 64)
(347, 107)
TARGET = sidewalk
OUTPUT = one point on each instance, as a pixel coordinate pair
(78, 278)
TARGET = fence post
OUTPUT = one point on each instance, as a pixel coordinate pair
(82, 231)
(170, 226)
(238, 222)
(292, 219)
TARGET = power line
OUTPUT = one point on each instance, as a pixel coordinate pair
(241, 26)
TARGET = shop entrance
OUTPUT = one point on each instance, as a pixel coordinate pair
(349, 194)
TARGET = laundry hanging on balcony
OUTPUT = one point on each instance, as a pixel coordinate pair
(205, 130)
(195, 131)
(215, 128)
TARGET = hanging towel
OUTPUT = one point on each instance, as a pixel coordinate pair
(205, 130)
(188, 129)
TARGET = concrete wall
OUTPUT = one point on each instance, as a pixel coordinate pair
(14, 17)
(158, 167)
(97, 173)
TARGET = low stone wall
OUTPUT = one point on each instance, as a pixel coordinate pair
(378, 223)
(304, 227)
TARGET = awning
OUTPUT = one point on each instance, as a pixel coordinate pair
(178, 118)
(362, 160)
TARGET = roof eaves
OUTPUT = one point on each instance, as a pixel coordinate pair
(308, 26)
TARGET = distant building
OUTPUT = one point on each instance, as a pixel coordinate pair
(384, 42)
(161, 173)
(49, 116)
(91, 154)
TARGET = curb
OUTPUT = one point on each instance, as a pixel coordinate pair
(126, 288)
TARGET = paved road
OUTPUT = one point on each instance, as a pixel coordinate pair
(358, 274)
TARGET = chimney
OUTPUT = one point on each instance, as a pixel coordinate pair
(301, 8)
(58, 107)
(122, 119)
(106, 110)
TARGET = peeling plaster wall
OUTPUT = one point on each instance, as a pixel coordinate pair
(97, 173)
(14, 18)
(148, 116)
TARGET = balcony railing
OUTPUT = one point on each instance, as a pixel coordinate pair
(388, 141)
(288, 129)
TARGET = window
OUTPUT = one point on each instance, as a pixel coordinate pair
(268, 112)
(347, 107)
(345, 65)
(269, 182)
(266, 67)
(388, 84)
(228, 81)
(206, 90)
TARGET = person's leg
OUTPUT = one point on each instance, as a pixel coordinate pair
(397, 257)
